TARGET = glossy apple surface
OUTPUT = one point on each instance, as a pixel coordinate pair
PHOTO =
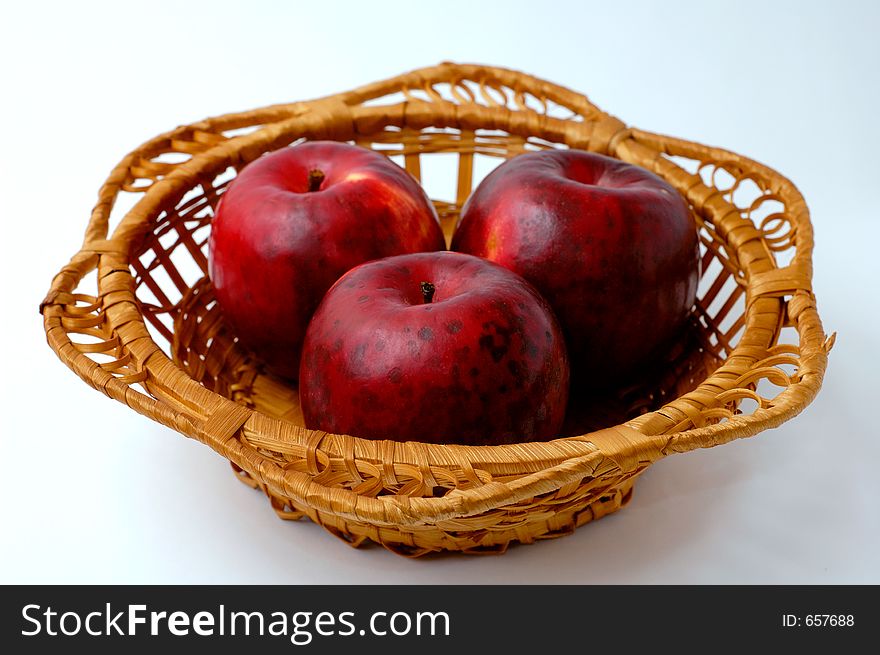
(294, 221)
(438, 347)
(611, 246)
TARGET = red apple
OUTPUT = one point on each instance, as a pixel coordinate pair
(611, 246)
(438, 347)
(295, 220)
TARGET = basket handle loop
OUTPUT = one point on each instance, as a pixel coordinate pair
(628, 448)
(777, 282)
(224, 423)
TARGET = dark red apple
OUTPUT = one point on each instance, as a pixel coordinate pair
(437, 347)
(611, 246)
(295, 220)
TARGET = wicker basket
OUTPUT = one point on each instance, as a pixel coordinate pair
(153, 339)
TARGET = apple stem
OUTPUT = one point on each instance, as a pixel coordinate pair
(315, 178)
(427, 291)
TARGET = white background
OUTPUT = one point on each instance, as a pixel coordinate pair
(92, 492)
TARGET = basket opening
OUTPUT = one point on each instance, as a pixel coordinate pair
(172, 265)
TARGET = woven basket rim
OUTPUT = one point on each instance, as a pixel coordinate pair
(216, 419)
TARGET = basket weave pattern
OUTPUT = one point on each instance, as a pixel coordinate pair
(153, 338)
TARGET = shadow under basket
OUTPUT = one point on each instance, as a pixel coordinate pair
(152, 336)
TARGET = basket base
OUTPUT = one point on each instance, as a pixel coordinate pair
(497, 529)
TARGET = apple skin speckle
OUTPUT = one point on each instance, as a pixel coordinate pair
(487, 366)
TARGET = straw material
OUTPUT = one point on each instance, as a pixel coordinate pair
(153, 338)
